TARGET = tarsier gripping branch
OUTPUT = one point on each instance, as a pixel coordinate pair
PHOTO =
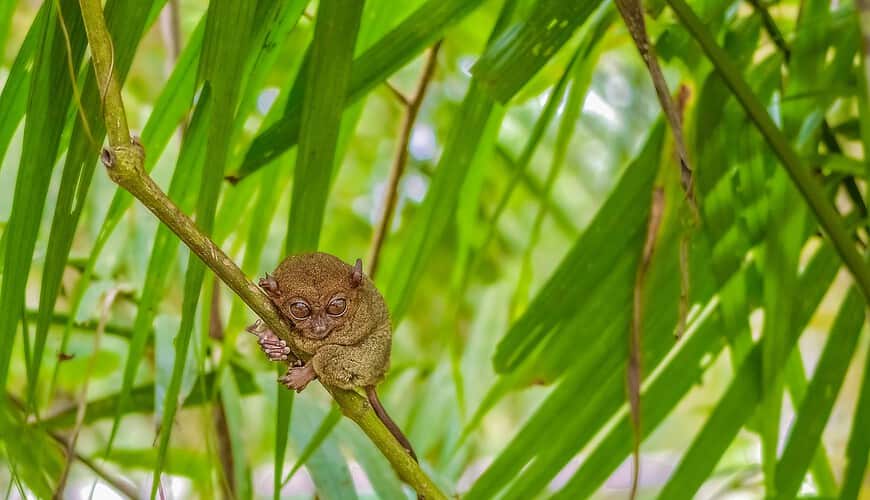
(339, 319)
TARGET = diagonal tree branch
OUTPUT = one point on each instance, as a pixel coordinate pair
(124, 164)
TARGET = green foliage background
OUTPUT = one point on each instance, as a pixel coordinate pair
(509, 266)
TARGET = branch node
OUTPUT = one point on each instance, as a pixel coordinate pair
(107, 157)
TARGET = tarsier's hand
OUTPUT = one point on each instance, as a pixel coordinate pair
(275, 348)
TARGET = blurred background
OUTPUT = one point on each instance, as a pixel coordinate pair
(485, 270)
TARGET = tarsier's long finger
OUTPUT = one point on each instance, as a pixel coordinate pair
(258, 328)
(275, 348)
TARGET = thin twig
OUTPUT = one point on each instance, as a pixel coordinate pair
(120, 485)
(83, 392)
(170, 29)
(398, 94)
(219, 413)
(400, 159)
(124, 162)
(685, 238)
(632, 13)
(771, 28)
(634, 373)
(77, 95)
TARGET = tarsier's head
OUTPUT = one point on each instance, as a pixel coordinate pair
(317, 292)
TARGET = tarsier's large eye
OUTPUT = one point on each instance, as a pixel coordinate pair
(300, 310)
(337, 307)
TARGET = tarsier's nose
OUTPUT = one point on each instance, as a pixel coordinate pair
(319, 327)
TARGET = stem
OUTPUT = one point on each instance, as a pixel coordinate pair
(812, 193)
(120, 485)
(124, 164)
(83, 393)
(400, 160)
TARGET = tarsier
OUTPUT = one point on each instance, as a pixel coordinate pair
(339, 318)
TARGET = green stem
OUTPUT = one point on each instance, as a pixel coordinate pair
(800, 175)
(124, 163)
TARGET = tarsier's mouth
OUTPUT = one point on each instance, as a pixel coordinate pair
(316, 336)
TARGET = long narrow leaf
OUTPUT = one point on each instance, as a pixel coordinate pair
(478, 112)
(858, 448)
(799, 174)
(327, 85)
(733, 410)
(163, 252)
(373, 66)
(13, 99)
(126, 22)
(813, 413)
(50, 93)
(519, 53)
(228, 27)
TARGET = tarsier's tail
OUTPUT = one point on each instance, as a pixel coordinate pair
(388, 422)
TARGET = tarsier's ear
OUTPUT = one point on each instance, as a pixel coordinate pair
(357, 275)
(270, 285)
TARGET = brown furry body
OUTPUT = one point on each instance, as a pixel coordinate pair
(356, 350)
(339, 319)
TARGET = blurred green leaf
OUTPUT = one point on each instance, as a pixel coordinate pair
(323, 431)
(13, 99)
(324, 462)
(859, 441)
(165, 249)
(736, 405)
(370, 68)
(669, 386)
(820, 466)
(225, 44)
(179, 462)
(142, 399)
(824, 212)
(805, 434)
(126, 23)
(326, 85)
(480, 113)
(37, 459)
(780, 258)
(634, 185)
(50, 93)
(520, 52)
(7, 7)
(622, 209)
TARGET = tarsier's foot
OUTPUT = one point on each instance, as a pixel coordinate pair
(298, 377)
(275, 348)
